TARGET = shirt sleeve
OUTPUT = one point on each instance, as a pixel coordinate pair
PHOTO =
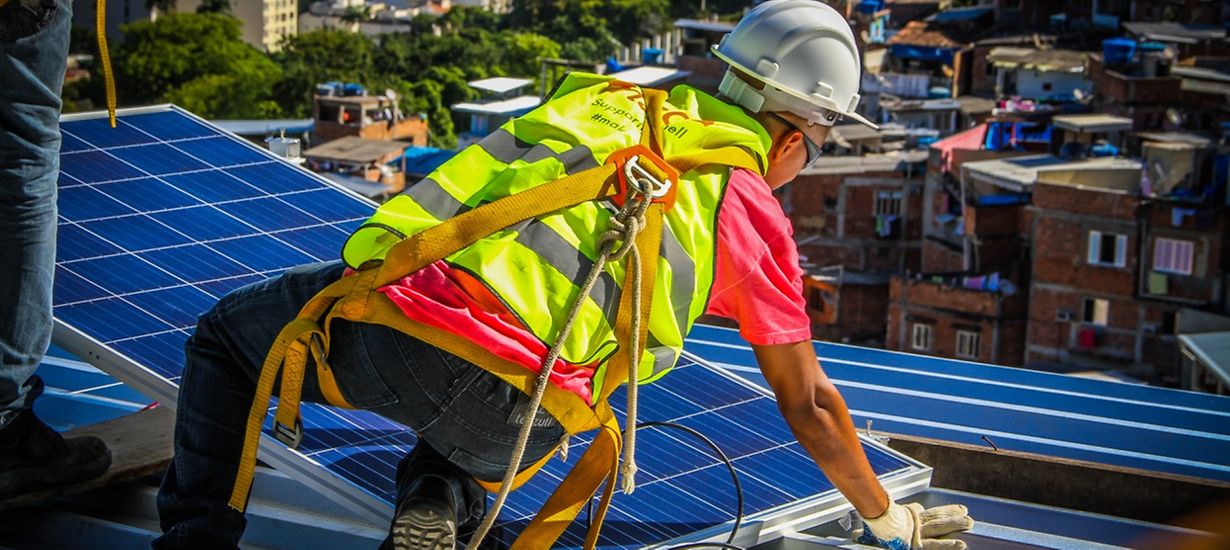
(757, 279)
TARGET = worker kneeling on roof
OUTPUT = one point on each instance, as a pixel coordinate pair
(494, 306)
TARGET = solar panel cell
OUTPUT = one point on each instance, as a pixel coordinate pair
(111, 318)
(262, 253)
(275, 178)
(157, 159)
(95, 167)
(147, 194)
(75, 243)
(178, 306)
(205, 223)
(220, 152)
(167, 126)
(83, 203)
(123, 274)
(136, 233)
(72, 288)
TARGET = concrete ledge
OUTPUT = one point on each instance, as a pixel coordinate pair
(1091, 487)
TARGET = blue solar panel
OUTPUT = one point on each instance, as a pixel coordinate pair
(1148, 428)
(165, 215)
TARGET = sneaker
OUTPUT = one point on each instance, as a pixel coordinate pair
(33, 456)
(426, 518)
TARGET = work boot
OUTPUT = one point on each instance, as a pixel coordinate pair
(426, 517)
(34, 456)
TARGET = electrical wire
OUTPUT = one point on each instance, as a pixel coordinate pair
(734, 478)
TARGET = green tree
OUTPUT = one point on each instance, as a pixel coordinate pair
(356, 14)
(320, 56)
(590, 22)
(180, 56)
(523, 51)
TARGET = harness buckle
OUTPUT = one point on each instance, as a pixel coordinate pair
(291, 436)
(636, 164)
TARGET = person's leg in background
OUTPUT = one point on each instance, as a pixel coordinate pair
(33, 57)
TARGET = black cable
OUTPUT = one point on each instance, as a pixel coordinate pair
(734, 478)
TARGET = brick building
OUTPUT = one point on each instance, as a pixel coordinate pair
(1113, 264)
(949, 317)
(864, 213)
(847, 306)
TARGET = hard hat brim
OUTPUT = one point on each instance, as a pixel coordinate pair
(781, 88)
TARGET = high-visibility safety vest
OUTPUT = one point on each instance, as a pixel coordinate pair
(524, 211)
(536, 267)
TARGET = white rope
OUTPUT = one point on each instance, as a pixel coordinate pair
(625, 226)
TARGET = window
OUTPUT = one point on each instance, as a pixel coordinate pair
(1096, 311)
(1107, 249)
(888, 203)
(1173, 256)
(967, 343)
(922, 337)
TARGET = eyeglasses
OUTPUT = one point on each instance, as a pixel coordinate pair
(813, 150)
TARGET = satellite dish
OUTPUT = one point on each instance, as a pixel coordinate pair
(1079, 94)
(389, 93)
(1174, 116)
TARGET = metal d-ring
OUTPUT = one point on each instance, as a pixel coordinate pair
(634, 173)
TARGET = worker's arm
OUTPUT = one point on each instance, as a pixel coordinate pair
(820, 420)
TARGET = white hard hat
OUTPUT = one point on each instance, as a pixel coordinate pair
(805, 54)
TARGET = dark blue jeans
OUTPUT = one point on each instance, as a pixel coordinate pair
(461, 413)
(33, 56)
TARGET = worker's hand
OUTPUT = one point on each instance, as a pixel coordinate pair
(911, 527)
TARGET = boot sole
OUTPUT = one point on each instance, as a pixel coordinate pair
(424, 528)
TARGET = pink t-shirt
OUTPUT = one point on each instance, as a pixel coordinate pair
(757, 282)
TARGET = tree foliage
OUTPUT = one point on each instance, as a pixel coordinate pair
(186, 57)
(199, 60)
(319, 56)
(591, 27)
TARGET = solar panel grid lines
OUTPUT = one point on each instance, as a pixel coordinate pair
(166, 214)
(1147, 428)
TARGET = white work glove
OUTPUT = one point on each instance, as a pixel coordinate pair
(911, 527)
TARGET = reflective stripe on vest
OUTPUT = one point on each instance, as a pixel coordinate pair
(536, 267)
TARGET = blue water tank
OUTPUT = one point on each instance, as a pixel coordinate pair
(651, 56)
(870, 6)
(329, 89)
(353, 89)
(1117, 51)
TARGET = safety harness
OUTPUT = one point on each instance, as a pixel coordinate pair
(640, 181)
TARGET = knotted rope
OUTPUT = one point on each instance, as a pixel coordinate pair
(614, 244)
